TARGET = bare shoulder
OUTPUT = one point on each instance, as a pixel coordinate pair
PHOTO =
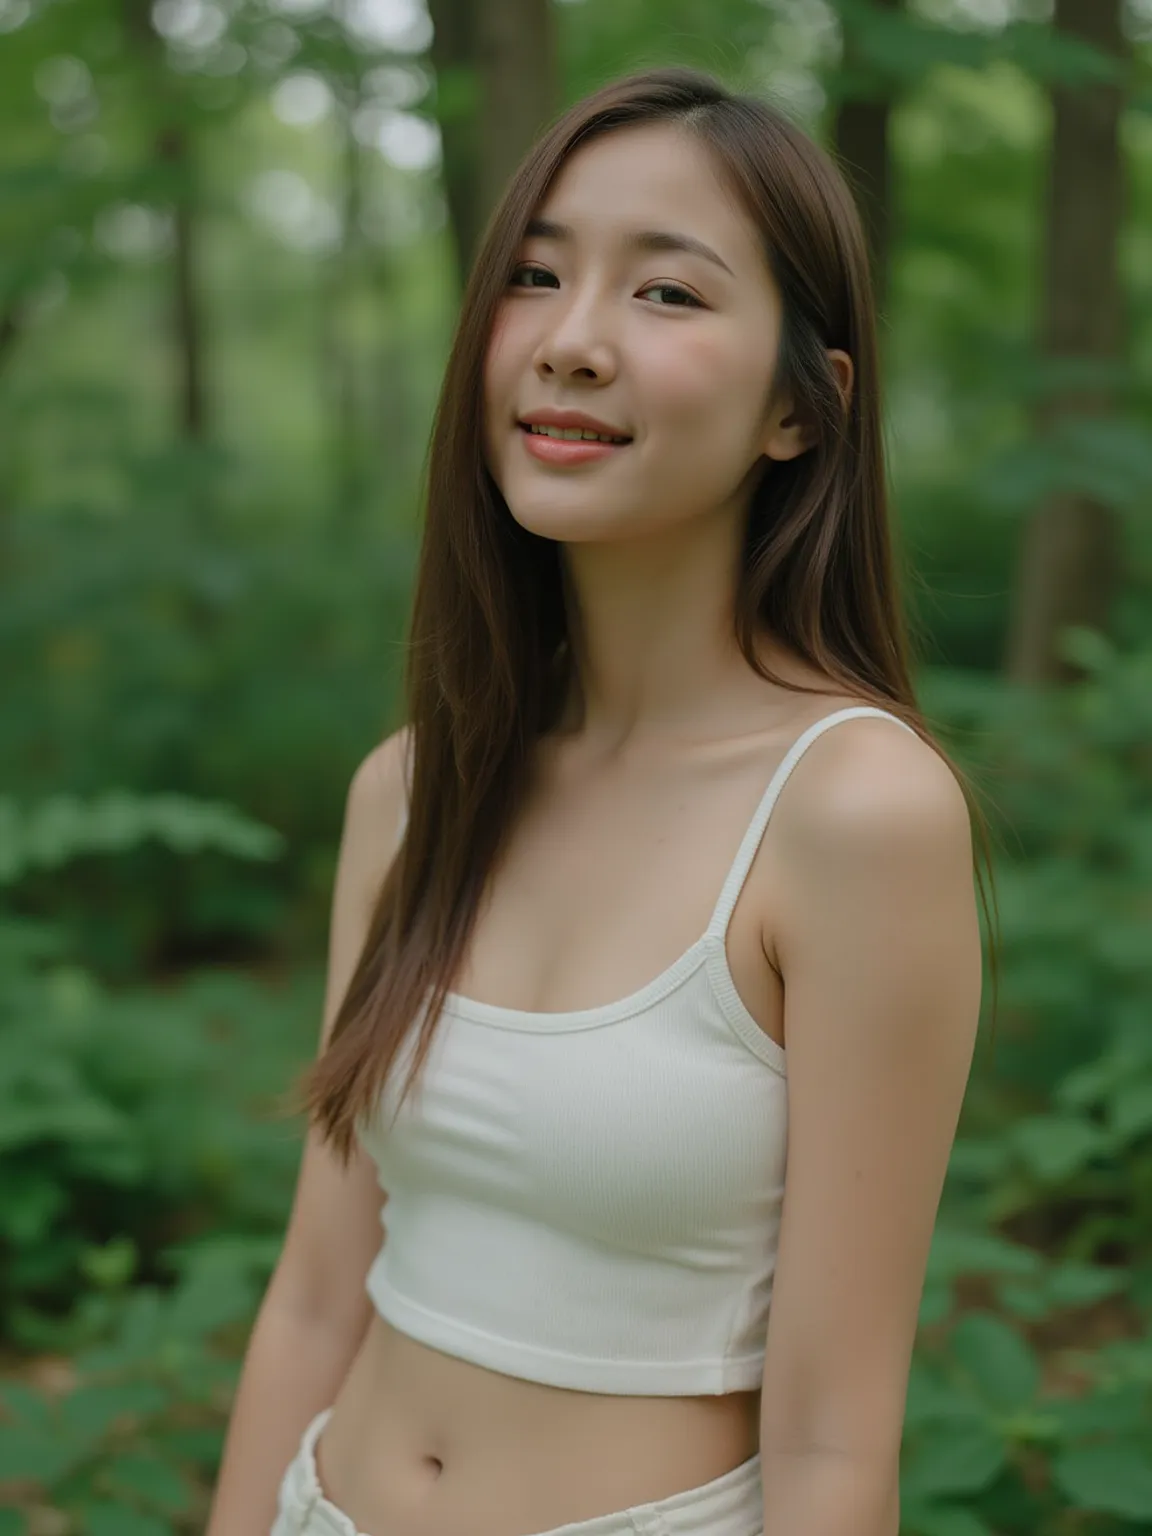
(870, 807)
(373, 812)
(378, 791)
(869, 779)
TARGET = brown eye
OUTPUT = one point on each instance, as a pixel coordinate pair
(682, 293)
(531, 271)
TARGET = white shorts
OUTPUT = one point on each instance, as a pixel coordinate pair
(730, 1505)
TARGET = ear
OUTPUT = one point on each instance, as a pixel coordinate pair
(787, 435)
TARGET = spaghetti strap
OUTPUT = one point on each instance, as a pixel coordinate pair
(738, 873)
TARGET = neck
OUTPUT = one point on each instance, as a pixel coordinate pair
(651, 625)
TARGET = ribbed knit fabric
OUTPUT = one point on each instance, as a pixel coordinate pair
(592, 1199)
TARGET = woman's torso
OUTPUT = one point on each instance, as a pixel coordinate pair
(608, 878)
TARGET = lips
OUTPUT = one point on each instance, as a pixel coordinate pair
(563, 452)
(572, 420)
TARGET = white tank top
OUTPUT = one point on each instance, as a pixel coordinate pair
(592, 1199)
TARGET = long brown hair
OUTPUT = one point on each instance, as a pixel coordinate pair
(488, 661)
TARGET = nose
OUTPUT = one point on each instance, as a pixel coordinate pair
(577, 343)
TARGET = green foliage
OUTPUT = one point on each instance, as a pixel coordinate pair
(987, 1449)
(1048, 1207)
(58, 830)
(130, 1442)
(127, 1120)
(200, 638)
(1108, 459)
(144, 1176)
(253, 665)
(891, 46)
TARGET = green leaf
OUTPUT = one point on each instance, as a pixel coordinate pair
(935, 1304)
(1108, 459)
(206, 1302)
(107, 1519)
(1024, 1300)
(980, 1159)
(1087, 648)
(63, 828)
(930, 1400)
(141, 1323)
(201, 1447)
(899, 47)
(1071, 1284)
(150, 1480)
(27, 1406)
(110, 1265)
(956, 1252)
(1057, 57)
(1130, 1112)
(1108, 1479)
(31, 1454)
(952, 1459)
(1055, 1147)
(941, 1520)
(1086, 1086)
(997, 1359)
(12, 1523)
(1111, 1412)
(72, 1121)
(91, 1411)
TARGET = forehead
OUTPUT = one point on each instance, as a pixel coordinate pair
(652, 176)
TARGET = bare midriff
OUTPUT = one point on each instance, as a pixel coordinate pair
(423, 1444)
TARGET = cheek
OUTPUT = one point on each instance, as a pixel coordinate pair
(708, 387)
(492, 369)
(499, 401)
(507, 365)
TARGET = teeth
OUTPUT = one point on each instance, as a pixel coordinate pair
(575, 434)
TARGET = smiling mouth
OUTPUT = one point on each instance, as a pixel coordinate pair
(572, 435)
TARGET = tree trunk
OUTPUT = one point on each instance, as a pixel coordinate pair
(187, 321)
(173, 149)
(518, 68)
(1068, 565)
(340, 323)
(498, 83)
(454, 60)
(860, 137)
(11, 326)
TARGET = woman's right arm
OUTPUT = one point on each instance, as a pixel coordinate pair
(315, 1311)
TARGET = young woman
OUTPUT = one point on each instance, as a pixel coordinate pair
(663, 896)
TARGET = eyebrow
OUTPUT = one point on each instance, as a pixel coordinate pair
(636, 240)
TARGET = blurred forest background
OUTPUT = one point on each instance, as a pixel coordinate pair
(231, 240)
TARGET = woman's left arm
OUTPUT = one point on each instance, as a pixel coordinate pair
(877, 939)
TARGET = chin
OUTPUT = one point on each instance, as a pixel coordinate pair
(571, 525)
